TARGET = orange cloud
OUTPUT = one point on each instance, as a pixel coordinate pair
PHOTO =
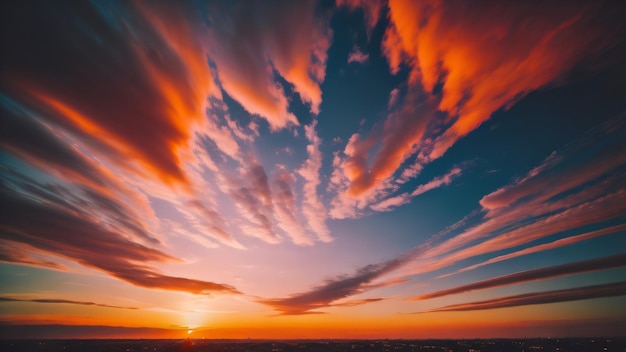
(294, 47)
(139, 108)
(466, 61)
(64, 229)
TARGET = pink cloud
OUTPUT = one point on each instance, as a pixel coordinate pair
(313, 209)
(437, 182)
(286, 208)
(404, 198)
(546, 246)
(356, 55)
(294, 47)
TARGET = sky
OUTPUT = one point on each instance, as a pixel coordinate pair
(312, 169)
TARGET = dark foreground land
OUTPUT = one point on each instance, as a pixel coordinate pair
(495, 345)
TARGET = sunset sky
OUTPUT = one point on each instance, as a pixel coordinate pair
(302, 169)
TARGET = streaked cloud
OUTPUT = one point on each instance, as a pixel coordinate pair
(61, 301)
(313, 208)
(304, 156)
(154, 130)
(294, 47)
(546, 246)
(64, 230)
(566, 295)
(596, 264)
(328, 293)
(404, 198)
(466, 62)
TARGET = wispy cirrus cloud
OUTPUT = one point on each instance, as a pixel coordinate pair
(158, 101)
(287, 209)
(544, 247)
(144, 142)
(404, 198)
(328, 293)
(566, 295)
(63, 229)
(168, 133)
(596, 264)
(567, 185)
(294, 47)
(61, 301)
(313, 208)
(466, 62)
(590, 197)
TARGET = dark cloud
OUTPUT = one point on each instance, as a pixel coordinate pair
(603, 263)
(74, 235)
(30, 139)
(110, 76)
(14, 252)
(61, 301)
(333, 290)
(572, 294)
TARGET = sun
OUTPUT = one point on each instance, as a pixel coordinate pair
(189, 332)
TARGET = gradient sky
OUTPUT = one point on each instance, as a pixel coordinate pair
(283, 169)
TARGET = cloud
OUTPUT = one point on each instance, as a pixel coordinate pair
(523, 231)
(596, 264)
(404, 198)
(257, 201)
(566, 295)
(61, 301)
(558, 173)
(14, 252)
(357, 302)
(63, 230)
(546, 246)
(569, 184)
(312, 207)
(372, 10)
(326, 294)
(588, 196)
(401, 133)
(356, 55)
(158, 99)
(285, 202)
(392, 202)
(465, 62)
(294, 46)
(120, 109)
